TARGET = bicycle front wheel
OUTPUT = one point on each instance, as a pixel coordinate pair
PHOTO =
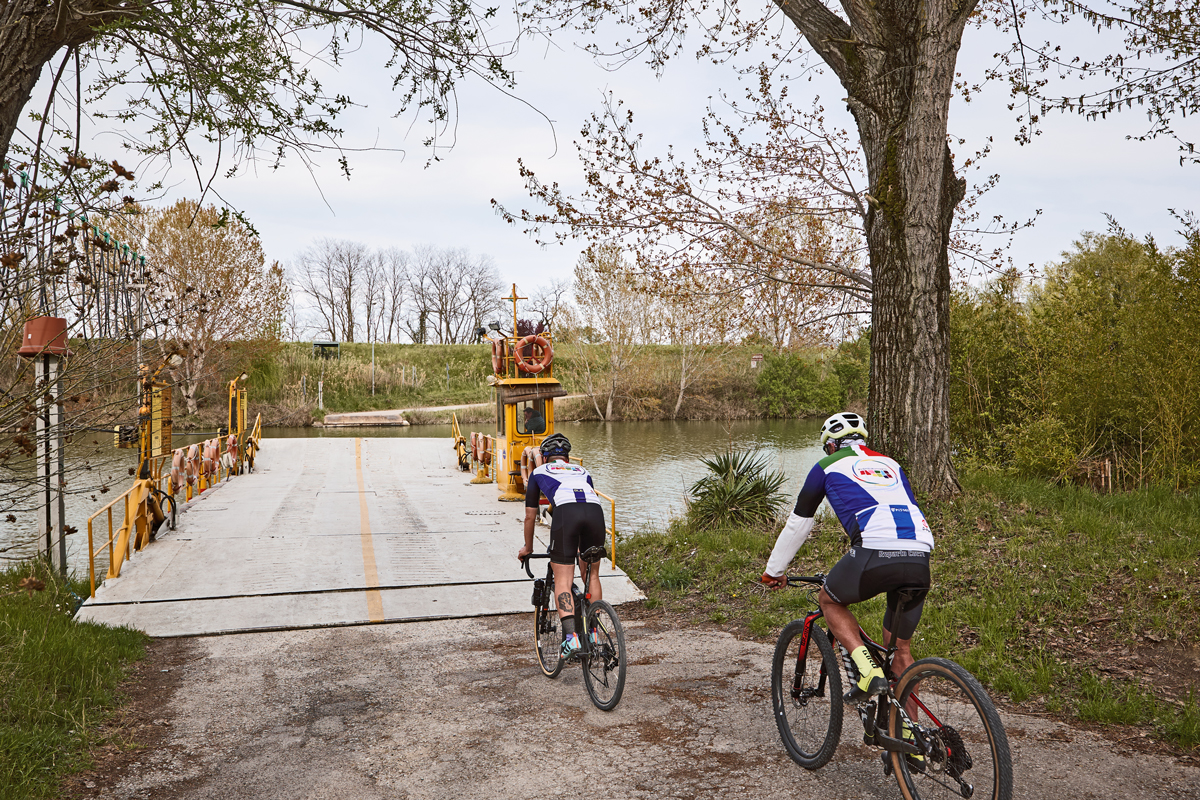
(806, 692)
(547, 633)
(604, 667)
(968, 750)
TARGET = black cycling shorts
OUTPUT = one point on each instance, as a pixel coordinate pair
(574, 528)
(863, 573)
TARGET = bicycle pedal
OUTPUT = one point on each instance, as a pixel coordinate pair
(887, 764)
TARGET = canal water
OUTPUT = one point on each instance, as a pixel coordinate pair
(647, 466)
(96, 473)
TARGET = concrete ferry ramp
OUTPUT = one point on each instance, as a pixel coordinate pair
(332, 532)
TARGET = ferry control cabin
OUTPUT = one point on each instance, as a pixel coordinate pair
(525, 388)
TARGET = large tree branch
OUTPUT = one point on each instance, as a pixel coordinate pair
(826, 32)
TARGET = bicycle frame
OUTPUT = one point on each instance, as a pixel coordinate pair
(883, 656)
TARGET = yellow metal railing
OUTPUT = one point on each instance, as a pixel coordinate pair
(141, 513)
(136, 519)
(612, 527)
(142, 510)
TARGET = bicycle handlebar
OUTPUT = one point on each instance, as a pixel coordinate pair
(525, 561)
(817, 579)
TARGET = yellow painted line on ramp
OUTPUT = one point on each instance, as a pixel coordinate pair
(370, 572)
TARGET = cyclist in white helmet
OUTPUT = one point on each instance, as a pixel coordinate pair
(890, 542)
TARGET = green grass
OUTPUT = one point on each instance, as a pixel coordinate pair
(1035, 585)
(405, 375)
(59, 677)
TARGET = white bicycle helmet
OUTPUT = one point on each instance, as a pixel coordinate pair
(839, 426)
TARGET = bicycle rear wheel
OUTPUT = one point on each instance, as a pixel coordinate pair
(807, 696)
(968, 749)
(604, 667)
(547, 633)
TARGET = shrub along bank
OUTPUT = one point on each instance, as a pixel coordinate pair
(1058, 599)
(58, 679)
(1091, 369)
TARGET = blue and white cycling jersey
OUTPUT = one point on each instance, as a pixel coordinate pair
(561, 482)
(872, 498)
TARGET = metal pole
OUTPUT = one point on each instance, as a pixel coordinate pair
(52, 542)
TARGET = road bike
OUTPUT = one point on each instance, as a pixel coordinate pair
(602, 638)
(938, 730)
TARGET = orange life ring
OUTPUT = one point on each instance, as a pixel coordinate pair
(498, 348)
(476, 446)
(527, 363)
(487, 451)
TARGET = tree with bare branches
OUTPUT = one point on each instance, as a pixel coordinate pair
(330, 274)
(615, 305)
(213, 286)
(896, 61)
(233, 72)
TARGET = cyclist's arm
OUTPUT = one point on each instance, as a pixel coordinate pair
(799, 525)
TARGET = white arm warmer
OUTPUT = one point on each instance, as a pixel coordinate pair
(794, 534)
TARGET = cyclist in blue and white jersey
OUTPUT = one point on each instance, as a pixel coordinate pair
(577, 525)
(890, 542)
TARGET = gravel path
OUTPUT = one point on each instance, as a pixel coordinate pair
(458, 709)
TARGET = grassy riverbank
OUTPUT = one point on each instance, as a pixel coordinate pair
(283, 384)
(59, 678)
(1059, 599)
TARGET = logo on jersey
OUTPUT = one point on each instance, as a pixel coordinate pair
(875, 472)
(562, 466)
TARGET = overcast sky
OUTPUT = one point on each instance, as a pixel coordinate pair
(1075, 172)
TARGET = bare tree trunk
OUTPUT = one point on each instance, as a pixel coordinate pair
(683, 383)
(191, 372)
(31, 33)
(896, 60)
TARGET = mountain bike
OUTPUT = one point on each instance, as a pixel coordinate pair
(938, 730)
(602, 638)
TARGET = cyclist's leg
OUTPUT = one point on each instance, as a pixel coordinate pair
(564, 575)
(562, 560)
(588, 519)
(842, 589)
(901, 571)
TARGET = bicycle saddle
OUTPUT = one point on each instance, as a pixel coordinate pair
(592, 554)
(912, 594)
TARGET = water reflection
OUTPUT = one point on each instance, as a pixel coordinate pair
(648, 466)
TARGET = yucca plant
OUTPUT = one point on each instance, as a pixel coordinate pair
(738, 491)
